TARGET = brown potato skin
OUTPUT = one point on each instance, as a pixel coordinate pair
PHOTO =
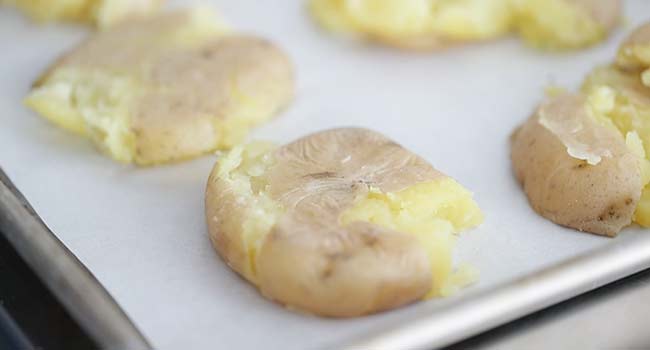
(346, 272)
(224, 217)
(600, 198)
(183, 124)
(342, 273)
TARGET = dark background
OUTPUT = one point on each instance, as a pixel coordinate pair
(30, 316)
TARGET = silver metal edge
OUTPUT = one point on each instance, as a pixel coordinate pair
(488, 309)
(66, 277)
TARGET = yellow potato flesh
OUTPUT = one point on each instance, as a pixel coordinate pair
(636, 55)
(556, 24)
(92, 104)
(453, 20)
(100, 12)
(242, 168)
(639, 55)
(432, 211)
(615, 109)
(545, 24)
(47, 10)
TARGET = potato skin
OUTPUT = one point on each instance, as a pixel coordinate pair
(342, 272)
(598, 198)
(182, 124)
(224, 216)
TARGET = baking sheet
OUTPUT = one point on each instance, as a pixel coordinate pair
(142, 232)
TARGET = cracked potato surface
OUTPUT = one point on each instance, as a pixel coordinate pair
(340, 223)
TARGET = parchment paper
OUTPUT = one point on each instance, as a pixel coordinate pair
(141, 231)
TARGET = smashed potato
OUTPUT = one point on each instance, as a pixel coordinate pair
(340, 223)
(417, 24)
(101, 13)
(577, 170)
(166, 88)
(584, 159)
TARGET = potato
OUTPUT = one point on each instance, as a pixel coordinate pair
(167, 88)
(101, 13)
(416, 24)
(340, 223)
(422, 24)
(584, 159)
(576, 167)
(566, 24)
(634, 54)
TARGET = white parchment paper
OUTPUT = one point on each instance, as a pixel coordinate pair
(141, 231)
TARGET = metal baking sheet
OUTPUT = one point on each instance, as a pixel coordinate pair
(141, 231)
(74, 287)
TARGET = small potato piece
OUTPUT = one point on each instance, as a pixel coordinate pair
(340, 223)
(566, 24)
(166, 88)
(101, 13)
(416, 24)
(576, 170)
